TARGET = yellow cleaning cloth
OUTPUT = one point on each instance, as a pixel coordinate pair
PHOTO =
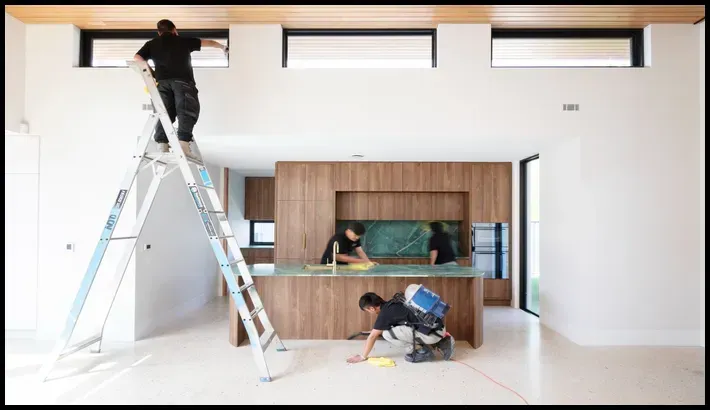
(381, 361)
(361, 266)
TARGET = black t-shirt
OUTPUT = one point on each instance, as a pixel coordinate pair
(392, 314)
(345, 246)
(441, 242)
(171, 56)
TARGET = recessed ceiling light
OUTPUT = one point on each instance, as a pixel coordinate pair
(357, 156)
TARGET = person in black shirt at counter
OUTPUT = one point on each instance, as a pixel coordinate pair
(440, 250)
(348, 241)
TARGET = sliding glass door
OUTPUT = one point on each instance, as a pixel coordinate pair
(530, 234)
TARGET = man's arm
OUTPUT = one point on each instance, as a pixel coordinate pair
(369, 344)
(213, 44)
(362, 254)
(341, 257)
(432, 256)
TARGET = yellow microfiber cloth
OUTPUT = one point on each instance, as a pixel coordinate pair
(381, 361)
(361, 266)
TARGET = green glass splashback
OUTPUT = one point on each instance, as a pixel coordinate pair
(400, 238)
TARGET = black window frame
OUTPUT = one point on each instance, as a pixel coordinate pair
(523, 282)
(636, 36)
(287, 32)
(87, 37)
(251, 233)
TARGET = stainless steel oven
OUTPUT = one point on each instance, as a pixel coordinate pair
(489, 248)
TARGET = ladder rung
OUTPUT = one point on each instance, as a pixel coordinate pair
(216, 212)
(234, 262)
(255, 312)
(205, 186)
(84, 343)
(245, 287)
(266, 344)
(120, 238)
(224, 237)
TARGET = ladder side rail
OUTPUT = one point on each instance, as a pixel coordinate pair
(100, 250)
(130, 246)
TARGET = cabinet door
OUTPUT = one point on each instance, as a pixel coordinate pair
(417, 176)
(259, 199)
(450, 176)
(319, 182)
(290, 230)
(385, 176)
(497, 192)
(290, 181)
(352, 176)
(319, 228)
(475, 203)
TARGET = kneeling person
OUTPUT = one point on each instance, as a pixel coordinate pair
(393, 319)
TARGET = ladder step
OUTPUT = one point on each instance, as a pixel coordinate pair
(245, 287)
(120, 238)
(234, 262)
(224, 237)
(168, 158)
(84, 343)
(205, 186)
(266, 344)
(256, 311)
(216, 212)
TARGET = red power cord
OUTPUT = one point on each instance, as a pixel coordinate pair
(489, 378)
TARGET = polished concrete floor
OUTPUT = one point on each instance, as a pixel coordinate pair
(193, 364)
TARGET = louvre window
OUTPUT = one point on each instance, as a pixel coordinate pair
(567, 48)
(113, 49)
(359, 48)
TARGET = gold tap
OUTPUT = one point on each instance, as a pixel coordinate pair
(336, 248)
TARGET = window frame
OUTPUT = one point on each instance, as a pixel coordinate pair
(356, 32)
(87, 38)
(635, 35)
(251, 233)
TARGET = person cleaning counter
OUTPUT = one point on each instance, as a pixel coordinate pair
(308, 302)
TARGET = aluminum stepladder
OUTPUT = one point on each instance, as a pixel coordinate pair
(159, 162)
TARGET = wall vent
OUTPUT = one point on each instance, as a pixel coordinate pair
(570, 107)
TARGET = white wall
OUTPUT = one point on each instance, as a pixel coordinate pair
(14, 73)
(636, 131)
(178, 274)
(638, 270)
(21, 208)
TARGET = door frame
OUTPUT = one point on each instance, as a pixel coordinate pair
(523, 282)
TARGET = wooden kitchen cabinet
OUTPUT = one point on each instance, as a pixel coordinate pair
(290, 230)
(259, 198)
(319, 226)
(368, 176)
(290, 181)
(497, 192)
(417, 176)
(450, 176)
(319, 180)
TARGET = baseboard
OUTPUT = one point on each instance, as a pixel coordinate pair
(669, 338)
(170, 316)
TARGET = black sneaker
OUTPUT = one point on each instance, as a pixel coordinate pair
(446, 347)
(423, 354)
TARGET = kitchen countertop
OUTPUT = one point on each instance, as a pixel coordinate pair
(450, 271)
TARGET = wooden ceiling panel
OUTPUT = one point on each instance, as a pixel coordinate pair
(220, 17)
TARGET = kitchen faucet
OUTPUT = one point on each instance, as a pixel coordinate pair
(336, 248)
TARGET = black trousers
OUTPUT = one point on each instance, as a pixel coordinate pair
(181, 101)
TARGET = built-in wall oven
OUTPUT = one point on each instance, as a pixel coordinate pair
(489, 249)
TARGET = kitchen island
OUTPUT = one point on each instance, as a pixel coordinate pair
(317, 304)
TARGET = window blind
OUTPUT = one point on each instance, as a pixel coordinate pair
(115, 52)
(354, 51)
(561, 52)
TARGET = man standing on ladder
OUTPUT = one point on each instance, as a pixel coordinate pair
(175, 80)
